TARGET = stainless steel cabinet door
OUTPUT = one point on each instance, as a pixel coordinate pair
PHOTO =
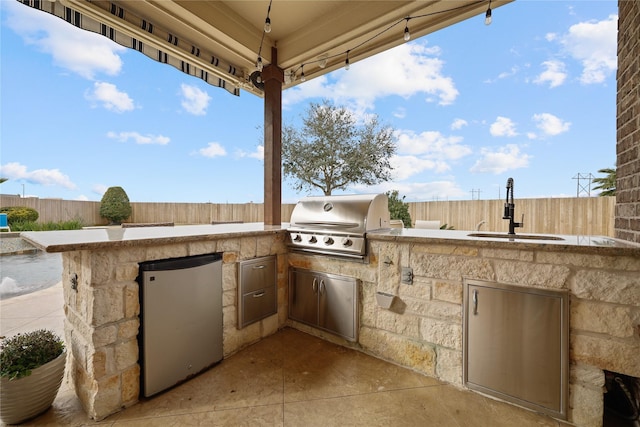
(325, 301)
(303, 297)
(516, 344)
(337, 307)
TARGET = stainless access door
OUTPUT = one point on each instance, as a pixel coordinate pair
(181, 314)
(516, 344)
(337, 305)
(325, 301)
(303, 296)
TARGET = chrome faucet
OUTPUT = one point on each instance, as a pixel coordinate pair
(509, 208)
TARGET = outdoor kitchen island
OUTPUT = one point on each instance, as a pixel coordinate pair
(421, 330)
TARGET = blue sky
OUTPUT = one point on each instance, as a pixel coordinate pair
(532, 96)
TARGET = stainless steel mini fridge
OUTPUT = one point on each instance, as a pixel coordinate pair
(181, 319)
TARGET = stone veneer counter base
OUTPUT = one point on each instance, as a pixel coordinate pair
(422, 329)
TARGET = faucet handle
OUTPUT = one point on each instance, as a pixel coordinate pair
(521, 222)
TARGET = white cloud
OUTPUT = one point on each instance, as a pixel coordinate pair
(111, 98)
(555, 73)
(501, 160)
(458, 124)
(405, 167)
(139, 138)
(407, 70)
(429, 150)
(82, 52)
(258, 154)
(82, 198)
(503, 126)
(400, 113)
(213, 149)
(48, 177)
(594, 44)
(505, 74)
(194, 100)
(432, 144)
(422, 191)
(99, 189)
(550, 124)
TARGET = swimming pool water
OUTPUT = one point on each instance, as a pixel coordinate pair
(26, 273)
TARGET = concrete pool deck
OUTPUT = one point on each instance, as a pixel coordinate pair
(37, 310)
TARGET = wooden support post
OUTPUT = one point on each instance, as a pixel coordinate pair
(273, 77)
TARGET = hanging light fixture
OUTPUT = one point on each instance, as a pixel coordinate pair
(407, 34)
(346, 62)
(302, 77)
(322, 60)
(259, 64)
(487, 16)
(267, 22)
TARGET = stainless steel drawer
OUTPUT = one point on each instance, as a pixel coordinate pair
(257, 290)
(257, 273)
(258, 305)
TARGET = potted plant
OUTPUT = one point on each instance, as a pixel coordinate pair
(31, 370)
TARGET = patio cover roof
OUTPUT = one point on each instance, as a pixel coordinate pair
(230, 33)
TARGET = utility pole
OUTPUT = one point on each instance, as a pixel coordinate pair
(473, 192)
(583, 188)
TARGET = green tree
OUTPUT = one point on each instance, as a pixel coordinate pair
(3, 180)
(115, 205)
(607, 183)
(333, 151)
(398, 209)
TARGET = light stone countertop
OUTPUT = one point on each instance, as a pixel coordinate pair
(584, 244)
(113, 237)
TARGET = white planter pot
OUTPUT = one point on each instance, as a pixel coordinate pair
(27, 397)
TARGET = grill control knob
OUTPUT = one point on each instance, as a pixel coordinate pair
(328, 240)
(347, 241)
(297, 238)
(312, 239)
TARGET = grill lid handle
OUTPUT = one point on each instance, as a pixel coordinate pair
(329, 224)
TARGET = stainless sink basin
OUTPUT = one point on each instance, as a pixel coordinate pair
(514, 236)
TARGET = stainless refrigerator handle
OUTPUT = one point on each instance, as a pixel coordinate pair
(261, 294)
(322, 286)
(314, 285)
(258, 267)
(475, 302)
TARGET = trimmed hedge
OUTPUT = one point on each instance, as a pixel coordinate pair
(115, 205)
(17, 214)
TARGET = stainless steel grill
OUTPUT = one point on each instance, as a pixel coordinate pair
(337, 225)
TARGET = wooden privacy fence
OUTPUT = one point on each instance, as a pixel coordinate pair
(55, 210)
(574, 216)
